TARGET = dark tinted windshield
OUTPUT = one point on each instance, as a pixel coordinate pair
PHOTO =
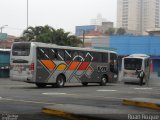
(132, 63)
(21, 49)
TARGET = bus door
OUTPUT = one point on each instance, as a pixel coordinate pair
(113, 64)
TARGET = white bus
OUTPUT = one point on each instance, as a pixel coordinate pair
(135, 62)
(50, 64)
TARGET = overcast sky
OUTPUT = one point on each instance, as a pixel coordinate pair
(64, 14)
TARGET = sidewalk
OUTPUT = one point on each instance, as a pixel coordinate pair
(74, 112)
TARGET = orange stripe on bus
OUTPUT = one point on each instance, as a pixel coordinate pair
(49, 64)
(61, 67)
(73, 66)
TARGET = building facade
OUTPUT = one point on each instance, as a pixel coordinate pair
(90, 28)
(6, 40)
(104, 27)
(138, 15)
(85, 28)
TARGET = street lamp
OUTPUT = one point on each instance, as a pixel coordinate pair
(27, 13)
(3, 27)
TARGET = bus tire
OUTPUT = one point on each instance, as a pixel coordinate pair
(60, 81)
(41, 85)
(84, 83)
(103, 80)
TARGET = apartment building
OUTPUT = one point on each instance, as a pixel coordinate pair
(137, 16)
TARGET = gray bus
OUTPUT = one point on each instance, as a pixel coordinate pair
(50, 64)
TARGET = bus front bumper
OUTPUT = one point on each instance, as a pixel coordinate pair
(130, 79)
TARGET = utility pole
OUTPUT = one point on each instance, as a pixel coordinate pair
(83, 37)
(1, 29)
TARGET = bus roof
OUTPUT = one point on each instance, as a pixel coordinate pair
(7, 50)
(140, 56)
(39, 44)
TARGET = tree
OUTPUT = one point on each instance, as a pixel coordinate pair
(110, 31)
(48, 34)
(121, 31)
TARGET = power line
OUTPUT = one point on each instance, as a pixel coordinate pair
(14, 28)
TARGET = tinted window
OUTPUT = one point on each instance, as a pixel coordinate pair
(105, 57)
(52, 54)
(42, 53)
(97, 57)
(21, 49)
(75, 55)
(132, 63)
(68, 55)
(87, 56)
(60, 54)
(81, 56)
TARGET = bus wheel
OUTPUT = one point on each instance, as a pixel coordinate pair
(84, 83)
(40, 85)
(60, 81)
(103, 81)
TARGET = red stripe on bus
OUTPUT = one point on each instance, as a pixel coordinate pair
(83, 66)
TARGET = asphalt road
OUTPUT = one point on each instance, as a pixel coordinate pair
(25, 101)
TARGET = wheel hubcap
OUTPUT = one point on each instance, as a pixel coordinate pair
(60, 81)
(104, 80)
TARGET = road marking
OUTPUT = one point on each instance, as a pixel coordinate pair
(15, 85)
(143, 88)
(54, 93)
(46, 103)
(106, 90)
(28, 101)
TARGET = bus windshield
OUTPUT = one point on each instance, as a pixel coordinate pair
(21, 49)
(132, 63)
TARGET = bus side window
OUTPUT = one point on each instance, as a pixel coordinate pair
(42, 54)
(87, 57)
(75, 55)
(60, 54)
(105, 57)
(68, 55)
(81, 56)
(97, 57)
(52, 54)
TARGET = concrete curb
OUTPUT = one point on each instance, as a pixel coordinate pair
(68, 115)
(143, 102)
(59, 113)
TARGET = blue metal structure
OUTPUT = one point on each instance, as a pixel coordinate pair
(3, 36)
(150, 45)
(86, 28)
(4, 62)
(126, 45)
